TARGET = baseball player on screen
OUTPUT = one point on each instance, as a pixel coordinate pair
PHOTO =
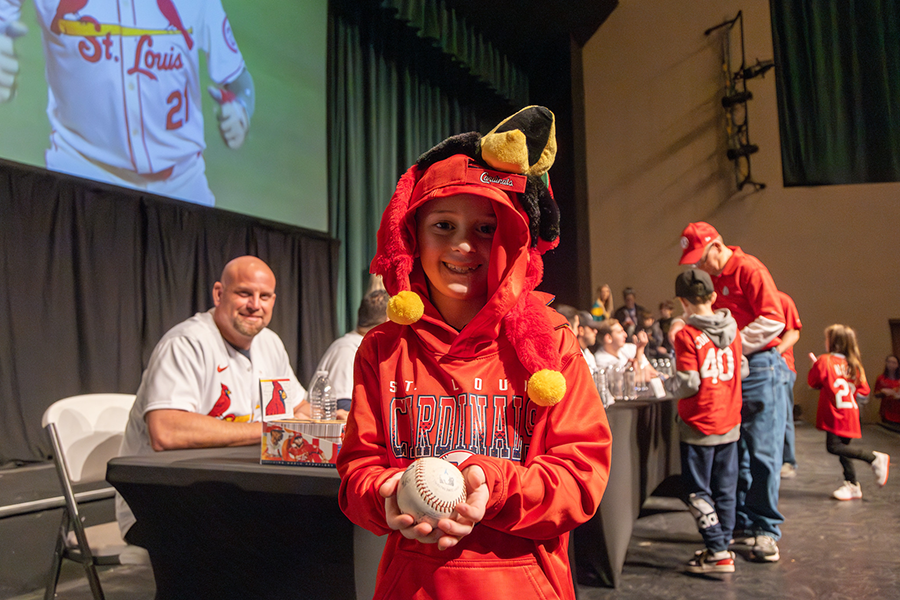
(124, 98)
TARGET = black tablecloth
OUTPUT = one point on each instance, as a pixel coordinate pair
(645, 452)
(225, 526)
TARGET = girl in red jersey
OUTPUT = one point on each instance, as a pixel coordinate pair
(840, 377)
(476, 368)
(887, 389)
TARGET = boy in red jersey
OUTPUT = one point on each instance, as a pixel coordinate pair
(474, 367)
(745, 287)
(708, 382)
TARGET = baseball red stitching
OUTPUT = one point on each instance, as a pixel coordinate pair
(430, 498)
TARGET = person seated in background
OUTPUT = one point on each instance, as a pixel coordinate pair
(616, 351)
(338, 359)
(887, 389)
(603, 304)
(627, 315)
(571, 315)
(201, 388)
(587, 337)
(656, 347)
(666, 308)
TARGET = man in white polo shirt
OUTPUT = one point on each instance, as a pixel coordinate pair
(615, 349)
(201, 388)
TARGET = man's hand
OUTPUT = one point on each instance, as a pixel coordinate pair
(9, 64)
(641, 339)
(232, 116)
(448, 531)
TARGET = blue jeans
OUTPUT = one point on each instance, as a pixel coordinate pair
(789, 456)
(710, 475)
(762, 444)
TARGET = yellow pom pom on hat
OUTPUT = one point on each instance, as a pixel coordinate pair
(546, 387)
(405, 308)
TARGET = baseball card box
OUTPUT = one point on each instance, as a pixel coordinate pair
(301, 442)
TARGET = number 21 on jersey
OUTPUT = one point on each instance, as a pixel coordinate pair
(844, 393)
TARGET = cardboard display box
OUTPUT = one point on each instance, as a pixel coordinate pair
(301, 442)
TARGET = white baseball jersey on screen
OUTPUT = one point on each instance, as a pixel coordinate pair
(194, 369)
(123, 75)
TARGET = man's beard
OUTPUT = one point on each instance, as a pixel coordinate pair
(246, 329)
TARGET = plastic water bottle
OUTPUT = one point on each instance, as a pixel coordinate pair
(628, 383)
(322, 403)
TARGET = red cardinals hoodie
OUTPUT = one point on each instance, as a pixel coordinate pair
(426, 389)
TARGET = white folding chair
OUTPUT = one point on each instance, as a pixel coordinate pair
(86, 432)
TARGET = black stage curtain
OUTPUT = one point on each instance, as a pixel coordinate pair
(838, 90)
(91, 276)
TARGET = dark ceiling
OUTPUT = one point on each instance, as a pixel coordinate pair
(523, 29)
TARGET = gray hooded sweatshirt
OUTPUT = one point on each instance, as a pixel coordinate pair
(721, 328)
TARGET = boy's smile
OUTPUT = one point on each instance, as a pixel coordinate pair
(454, 236)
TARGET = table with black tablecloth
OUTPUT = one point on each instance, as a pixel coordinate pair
(225, 526)
(645, 452)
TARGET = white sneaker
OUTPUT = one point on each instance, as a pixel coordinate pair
(880, 467)
(788, 471)
(765, 550)
(848, 491)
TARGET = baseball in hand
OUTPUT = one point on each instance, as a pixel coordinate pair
(429, 490)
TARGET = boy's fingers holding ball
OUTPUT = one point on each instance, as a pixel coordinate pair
(395, 519)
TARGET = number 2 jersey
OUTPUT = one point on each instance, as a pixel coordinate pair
(708, 381)
(838, 411)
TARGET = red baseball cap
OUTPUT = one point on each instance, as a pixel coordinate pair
(694, 240)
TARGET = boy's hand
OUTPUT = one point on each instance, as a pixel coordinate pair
(448, 531)
(812, 358)
(469, 512)
(403, 522)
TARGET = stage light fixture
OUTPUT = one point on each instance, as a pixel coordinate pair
(739, 98)
(742, 151)
(756, 70)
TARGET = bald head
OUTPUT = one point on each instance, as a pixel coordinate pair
(245, 265)
(244, 297)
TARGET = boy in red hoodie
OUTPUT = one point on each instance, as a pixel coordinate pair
(475, 368)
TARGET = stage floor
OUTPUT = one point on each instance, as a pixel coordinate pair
(830, 549)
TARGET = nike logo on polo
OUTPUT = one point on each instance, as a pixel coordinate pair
(220, 369)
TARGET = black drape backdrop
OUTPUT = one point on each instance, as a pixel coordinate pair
(91, 276)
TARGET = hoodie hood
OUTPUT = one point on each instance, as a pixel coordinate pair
(527, 226)
(719, 327)
(509, 262)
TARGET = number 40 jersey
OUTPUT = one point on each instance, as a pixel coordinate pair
(715, 408)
